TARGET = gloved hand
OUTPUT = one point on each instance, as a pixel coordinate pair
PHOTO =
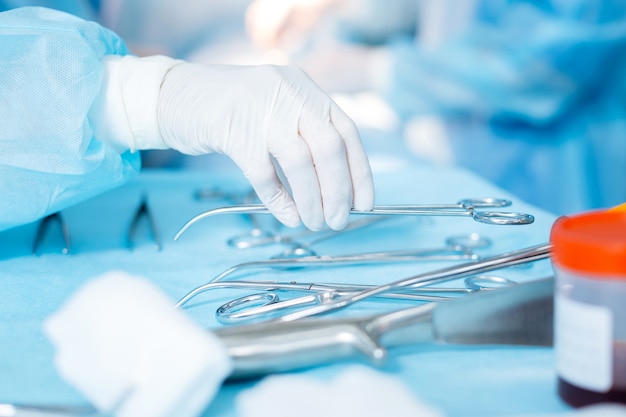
(265, 115)
(271, 121)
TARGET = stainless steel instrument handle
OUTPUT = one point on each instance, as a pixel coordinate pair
(517, 315)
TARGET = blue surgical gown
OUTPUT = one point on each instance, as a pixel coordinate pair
(532, 93)
(50, 74)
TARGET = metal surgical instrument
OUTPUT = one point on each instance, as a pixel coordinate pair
(466, 207)
(16, 410)
(475, 284)
(257, 233)
(329, 302)
(262, 238)
(142, 214)
(262, 306)
(44, 229)
(459, 248)
(519, 315)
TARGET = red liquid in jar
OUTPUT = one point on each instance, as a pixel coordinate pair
(579, 397)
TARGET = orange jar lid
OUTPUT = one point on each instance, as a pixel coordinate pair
(593, 243)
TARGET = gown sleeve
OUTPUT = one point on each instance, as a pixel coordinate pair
(50, 75)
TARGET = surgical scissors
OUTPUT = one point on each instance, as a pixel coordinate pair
(260, 306)
(465, 207)
(459, 248)
(326, 302)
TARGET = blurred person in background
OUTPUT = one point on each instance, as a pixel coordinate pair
(528, 94)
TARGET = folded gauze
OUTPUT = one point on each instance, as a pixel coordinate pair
(121, 342)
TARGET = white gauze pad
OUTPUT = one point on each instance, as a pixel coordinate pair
(121, 342)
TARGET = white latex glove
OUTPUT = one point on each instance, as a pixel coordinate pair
(270, 120)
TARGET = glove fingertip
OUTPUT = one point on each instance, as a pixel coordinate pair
(290, 221)
(364, 202)
(339, 221)
(286, 215)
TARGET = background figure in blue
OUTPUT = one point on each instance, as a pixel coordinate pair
(76, 107)
(529, 94)
(172, 28)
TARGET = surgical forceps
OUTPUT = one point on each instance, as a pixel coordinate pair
(328, 302)
(260, 306)
(465, 208)
(458, 248)
(43, 230)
